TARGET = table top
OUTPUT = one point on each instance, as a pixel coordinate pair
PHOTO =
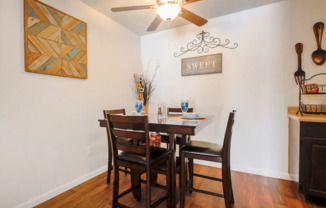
(178, 125)
(174, 124)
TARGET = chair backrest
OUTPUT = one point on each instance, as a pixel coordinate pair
(178, 110)
(227, 139)
(121, 111)
(134, 127)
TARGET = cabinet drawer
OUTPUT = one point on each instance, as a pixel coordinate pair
(310, 129)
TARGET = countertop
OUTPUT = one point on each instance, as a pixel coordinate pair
(306, 117)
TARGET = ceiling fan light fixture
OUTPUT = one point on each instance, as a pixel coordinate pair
(168, 11)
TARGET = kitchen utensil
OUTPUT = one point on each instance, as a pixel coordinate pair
(318, 56)
(299, 75)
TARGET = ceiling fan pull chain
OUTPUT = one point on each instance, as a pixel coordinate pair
(168, 35)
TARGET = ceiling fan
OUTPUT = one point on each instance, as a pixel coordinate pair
(167, 10)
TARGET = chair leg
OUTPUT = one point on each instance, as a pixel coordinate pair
(231, 190)
(183, 183)
(168, 182)
(108, 179)
(226, 188)
(186, 173)
(230, 185)
(180, 179)
(135, 181)
(154, 177)
(148, 188)
(115, 187)
(191, 172)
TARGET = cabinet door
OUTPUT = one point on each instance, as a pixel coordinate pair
(312, 176)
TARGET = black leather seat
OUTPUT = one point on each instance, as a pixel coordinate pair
(204, 148)
(155, 154)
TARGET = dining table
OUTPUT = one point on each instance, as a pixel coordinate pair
(172, 125)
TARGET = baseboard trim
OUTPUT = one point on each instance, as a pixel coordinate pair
(256, 171)
(267, 173)
(294, 177)
(46, 196)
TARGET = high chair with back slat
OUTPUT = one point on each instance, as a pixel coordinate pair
(138, 157)
(209, 152)
(120, 140)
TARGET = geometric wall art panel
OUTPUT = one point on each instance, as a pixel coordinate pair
(55, 42)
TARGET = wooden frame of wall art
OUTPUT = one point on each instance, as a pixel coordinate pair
(55, 42)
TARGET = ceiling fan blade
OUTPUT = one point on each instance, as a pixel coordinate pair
(191, 17)
(190, 1)
(130, 8)
(154, 24)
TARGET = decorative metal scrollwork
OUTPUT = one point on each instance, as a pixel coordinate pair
(203, 43)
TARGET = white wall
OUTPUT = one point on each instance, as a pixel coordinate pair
(257, 78)
(47, 123)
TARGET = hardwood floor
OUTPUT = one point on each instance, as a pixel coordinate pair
(250, 191)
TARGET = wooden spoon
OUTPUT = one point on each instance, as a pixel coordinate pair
(299, 75)
(318, 56)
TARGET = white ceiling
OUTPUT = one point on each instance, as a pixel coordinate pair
(138, 21)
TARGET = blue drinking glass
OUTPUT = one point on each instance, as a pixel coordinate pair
(184, 106)
(139, 106)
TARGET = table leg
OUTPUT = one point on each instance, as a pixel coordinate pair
(173, 171)
(183, 143)
(184, 140)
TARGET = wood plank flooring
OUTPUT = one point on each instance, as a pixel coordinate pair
(250, 191)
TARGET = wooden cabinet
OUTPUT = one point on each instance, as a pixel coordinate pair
(312, 167)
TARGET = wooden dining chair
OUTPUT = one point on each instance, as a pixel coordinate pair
(139, 157)
(119, 140)
(209, 152)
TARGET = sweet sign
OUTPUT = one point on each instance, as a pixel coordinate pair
(201, 65)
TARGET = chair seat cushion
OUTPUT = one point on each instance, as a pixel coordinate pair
(156, 154)
(202, 148)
